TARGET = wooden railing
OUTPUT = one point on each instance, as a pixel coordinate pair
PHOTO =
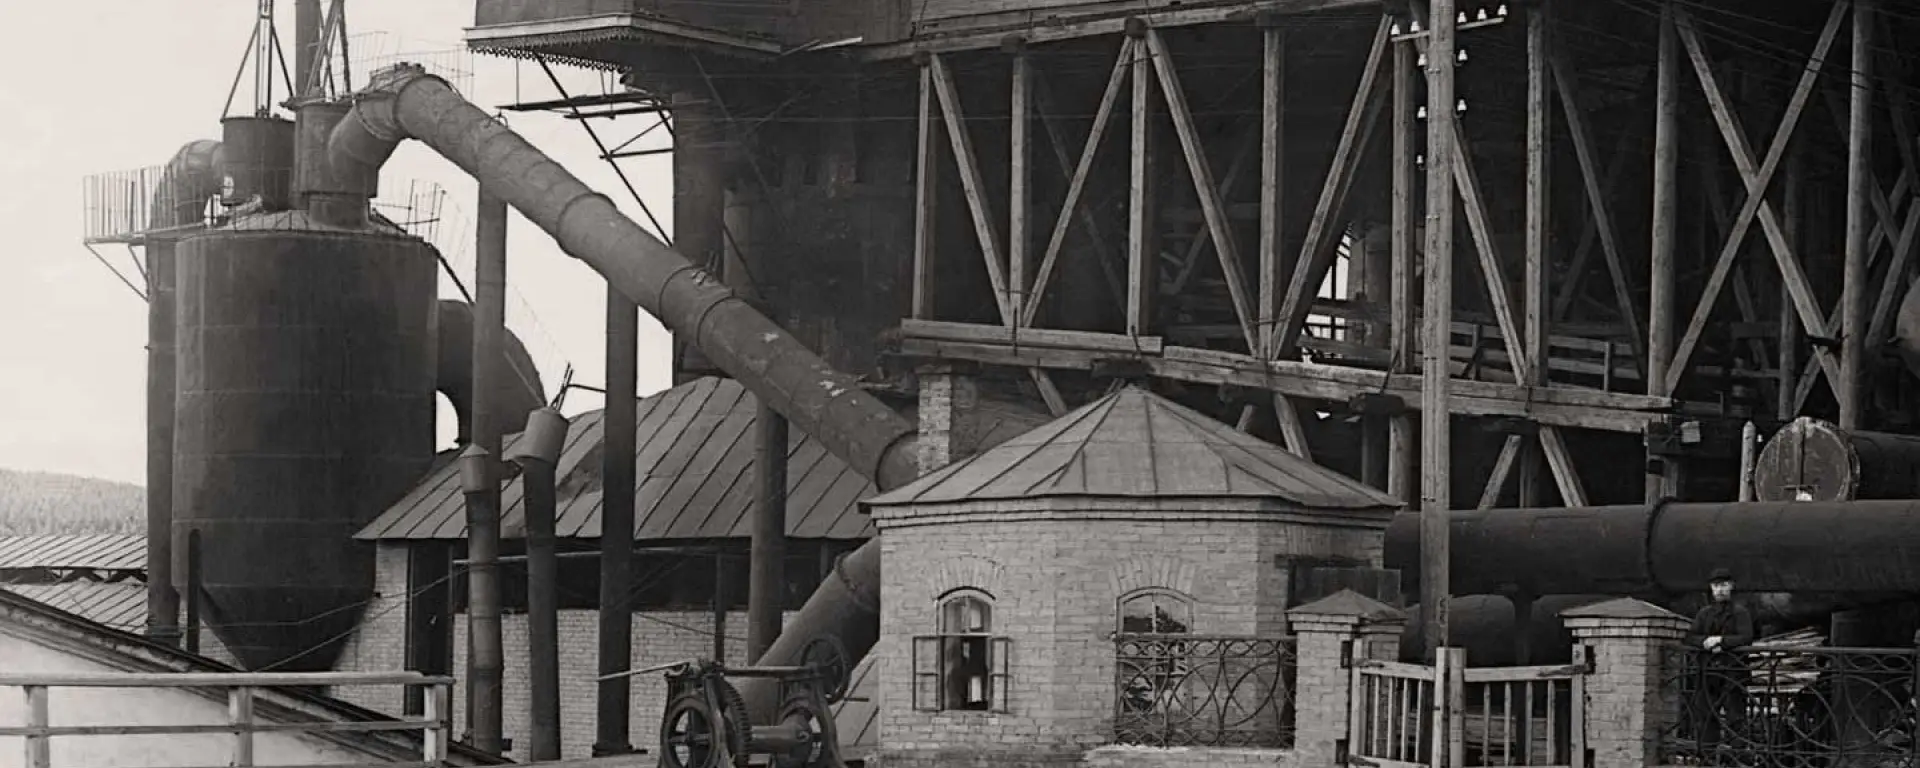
(434, 724)
(1525, 716)
(1531, 717)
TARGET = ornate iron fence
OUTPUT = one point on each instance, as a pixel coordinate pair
(1791, 708)
(1196, 690)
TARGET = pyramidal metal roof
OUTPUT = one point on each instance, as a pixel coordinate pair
(1137, 444)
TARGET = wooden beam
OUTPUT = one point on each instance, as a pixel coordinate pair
(1273, 85)
(1590, 234)
(1086, 20)
(1853, 290)
(1583, 142)
(1666, 210)
(1019, 182)
(1077, 173)
(1043, 338)
(1140, 220)
(1756, 180)
(925, 183)
(1666, 206)
(1204, 186)
(971, 183)
(1436, 330)
(1317, 252)
(1536, 282)
(1494, 274)
(1552, 406)
(1401, 343)
(1235, 167)
(1502, 469)
(1786, 398)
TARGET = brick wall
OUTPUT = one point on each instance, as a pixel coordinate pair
(381, 643)
(658, 638)
(1056, 569)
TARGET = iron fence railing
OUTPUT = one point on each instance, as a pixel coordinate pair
(1176, 690)
(1791, 708)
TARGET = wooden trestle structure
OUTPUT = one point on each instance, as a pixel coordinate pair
(1630, 225)
(1657, 218)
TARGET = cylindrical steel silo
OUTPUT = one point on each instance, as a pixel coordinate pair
(259, 160)
(306, 404)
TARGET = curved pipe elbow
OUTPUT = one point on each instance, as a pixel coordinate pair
(191, 176)
(363, 141)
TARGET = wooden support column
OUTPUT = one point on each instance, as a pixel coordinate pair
(1273, 267)
(1019, 179)
(1662, 478)
(1853, 291)
(1401, 451)
(926, 183)
(1436, 327)
(1785, 401)
(1536, 290)
(1140, 217)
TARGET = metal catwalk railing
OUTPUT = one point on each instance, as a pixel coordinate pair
(1177, 690)
(1791, 708)
(241, 722)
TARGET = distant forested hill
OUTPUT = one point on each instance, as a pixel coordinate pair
(44, 503)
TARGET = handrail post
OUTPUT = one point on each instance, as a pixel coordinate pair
(240, 716)
(39, 750)
(437, 708)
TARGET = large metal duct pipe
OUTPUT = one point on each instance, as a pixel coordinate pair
(191, 177)
(1814, 460)
(1805, 547)
(517, 389)
(404, 102)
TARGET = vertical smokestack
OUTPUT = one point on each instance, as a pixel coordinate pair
(537, 450)
(616, 526)
(163, 603)
(766, 575)
(306, 43)
(485, 656)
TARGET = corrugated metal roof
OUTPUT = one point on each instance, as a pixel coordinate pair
(1134, 443)
(106, 552)
(856, 718)
(121, 605)
(694, 474)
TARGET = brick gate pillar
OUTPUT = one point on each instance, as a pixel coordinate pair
(1327, 633)
(1628, 706)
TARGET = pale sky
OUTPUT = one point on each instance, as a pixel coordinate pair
(115, 85)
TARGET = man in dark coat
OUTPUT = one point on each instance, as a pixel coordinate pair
(1719, 630)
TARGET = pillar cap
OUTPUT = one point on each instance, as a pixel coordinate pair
(1623, 609)
(1348, 606)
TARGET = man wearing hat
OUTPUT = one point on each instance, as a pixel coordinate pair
(1720, 699)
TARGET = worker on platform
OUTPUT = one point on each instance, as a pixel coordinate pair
(1720, 629)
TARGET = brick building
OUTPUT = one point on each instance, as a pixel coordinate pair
(1130, 516)
(694, 478)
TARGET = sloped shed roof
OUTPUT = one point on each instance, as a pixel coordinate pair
(1136, 444)
(694, 458)
(99, 552)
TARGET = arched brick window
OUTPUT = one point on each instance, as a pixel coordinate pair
(1155, 611)
(964, 666)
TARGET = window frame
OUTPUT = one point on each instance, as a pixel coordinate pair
(932, 687)
(1185, 601)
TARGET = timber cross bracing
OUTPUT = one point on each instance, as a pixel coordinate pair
(1603, 171)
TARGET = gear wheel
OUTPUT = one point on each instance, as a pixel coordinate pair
(811, 712)
(687, 734)
(734, 710)
(830, 656)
